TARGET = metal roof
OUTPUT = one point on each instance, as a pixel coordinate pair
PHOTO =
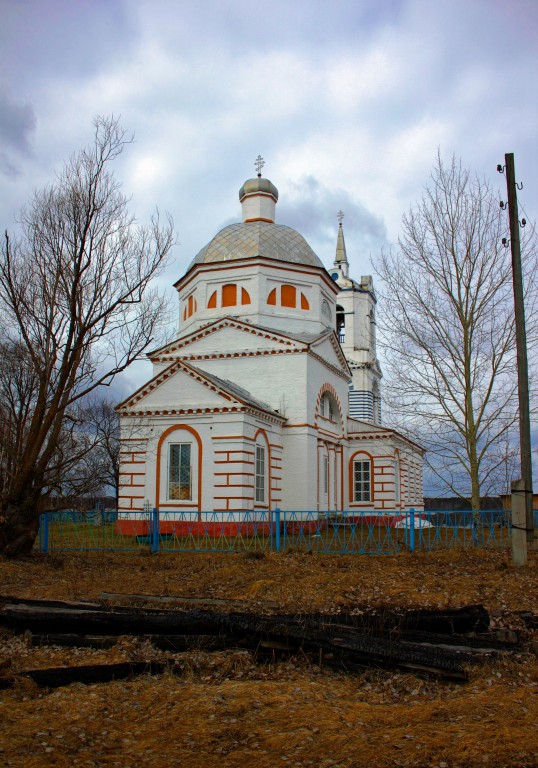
(257, 238)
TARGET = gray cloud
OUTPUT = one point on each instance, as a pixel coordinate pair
(359, 94)
(311, 208)
(17, 123)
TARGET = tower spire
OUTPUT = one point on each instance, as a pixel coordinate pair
(340, 259)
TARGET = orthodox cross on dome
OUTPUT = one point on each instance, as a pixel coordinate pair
(259, 163)
(340, 216)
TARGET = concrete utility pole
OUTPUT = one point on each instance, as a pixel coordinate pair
(521, 346)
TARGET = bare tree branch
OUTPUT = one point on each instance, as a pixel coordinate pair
(75, 297)
(447, 327)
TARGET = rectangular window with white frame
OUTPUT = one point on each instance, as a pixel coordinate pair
(362, 481)
(179, 471)
(260, 475)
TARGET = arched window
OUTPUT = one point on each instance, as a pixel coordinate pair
(260, 486)
(361, 478)
(179, 485)
(327, 408)
(179, 464)
(262, 461)
(229, 295)
(288, 296)
(190, 307)
(340, 323)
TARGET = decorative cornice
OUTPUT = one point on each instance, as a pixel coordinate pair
(163, 411)
(286, 266)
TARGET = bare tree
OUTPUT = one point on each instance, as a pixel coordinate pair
(75, 300)
(448, 328)
(102, 422)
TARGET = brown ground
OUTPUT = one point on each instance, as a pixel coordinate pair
(226, 711)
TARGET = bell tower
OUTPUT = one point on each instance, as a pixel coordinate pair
(356, 331)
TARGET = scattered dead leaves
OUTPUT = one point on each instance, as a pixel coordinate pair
(225, 710)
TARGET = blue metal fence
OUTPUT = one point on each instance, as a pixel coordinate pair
(347, 532)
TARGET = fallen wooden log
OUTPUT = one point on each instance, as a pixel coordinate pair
(385, 621)
(351, 648)
(140, 599)
(386, 638)
(172, 643)
(88, 605)
(56, 677)
(45, 620)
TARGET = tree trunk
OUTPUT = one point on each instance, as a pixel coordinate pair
(19, 525)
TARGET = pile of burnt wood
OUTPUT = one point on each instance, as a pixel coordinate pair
(444, 643)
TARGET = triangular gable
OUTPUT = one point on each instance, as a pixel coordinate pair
(328, 348)
(226, 335)
(181, 386)
(358, 430)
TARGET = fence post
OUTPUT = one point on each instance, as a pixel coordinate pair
(277, 530)
(412, 529)
(44, 532)
(154, 531)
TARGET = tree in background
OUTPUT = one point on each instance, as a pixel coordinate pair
(77, 308)
(447, 317)
(103, 423)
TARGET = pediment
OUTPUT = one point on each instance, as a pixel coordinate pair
(183, 388)
(176, 387)
(330, 351)
(225, 337)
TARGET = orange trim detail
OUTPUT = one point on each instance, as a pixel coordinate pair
(245, 298)
(271, 299)
(212, 303)
(304, 302)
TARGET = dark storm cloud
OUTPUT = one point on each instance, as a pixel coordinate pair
(17, 123)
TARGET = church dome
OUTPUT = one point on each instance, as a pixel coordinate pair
(257, 238)
(259, 184)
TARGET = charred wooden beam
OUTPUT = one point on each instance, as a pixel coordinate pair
(55, 677)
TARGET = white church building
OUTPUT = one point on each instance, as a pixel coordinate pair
(270, 395)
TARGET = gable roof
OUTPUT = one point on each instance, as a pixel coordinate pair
(292, 341)
(223, 322)
(229, 391)
(358, 430)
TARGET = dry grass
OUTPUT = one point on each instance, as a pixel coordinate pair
(224, 710)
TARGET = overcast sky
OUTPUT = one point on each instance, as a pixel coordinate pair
(347, 101)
